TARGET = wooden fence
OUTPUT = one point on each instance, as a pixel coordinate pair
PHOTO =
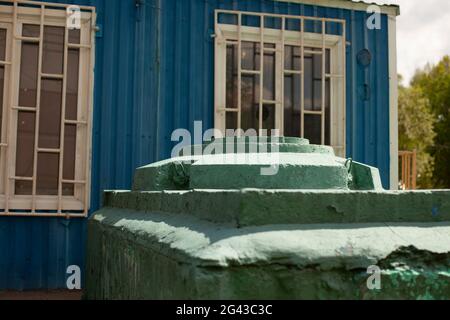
(408, 170)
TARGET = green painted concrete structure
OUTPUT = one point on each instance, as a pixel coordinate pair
(218, 226)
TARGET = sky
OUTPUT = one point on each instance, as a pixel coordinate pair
(423, 33)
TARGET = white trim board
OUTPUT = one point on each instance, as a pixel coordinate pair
(393, 102)
(393, 10)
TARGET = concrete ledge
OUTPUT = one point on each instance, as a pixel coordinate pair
(292, 176)
(252, 207)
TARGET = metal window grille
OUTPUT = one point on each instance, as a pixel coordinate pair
(15, 14)
(278, 36)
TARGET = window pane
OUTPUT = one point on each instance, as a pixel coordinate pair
(328, 113)
(292, 105)
(2, 85)
(313, 81)
(28, 75)
(317, 94)
(53, 50)
(25, 151)
(74, 36)
(2, 44)
(24, 188)
(251, 55)
(268, 118)
(70, 144)
(2, 73)
(231, 121)
(72, 85)
(269, 76)
(328, 61)
(317, 83)
(313, 97)
(308, 87)
(250, 102)
(50, 114)
(292, 58)
(47, 174)
(232, 77)
(317, 66)
(313, 128)
(31, 30)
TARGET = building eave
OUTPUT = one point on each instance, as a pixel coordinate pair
(392, 10)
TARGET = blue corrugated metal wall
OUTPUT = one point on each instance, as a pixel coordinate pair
(34, 253)
(154, 73)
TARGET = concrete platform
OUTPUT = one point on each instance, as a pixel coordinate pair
(165, 256)
(211, 227)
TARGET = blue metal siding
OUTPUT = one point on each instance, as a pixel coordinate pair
(154, 74)
(187, 77)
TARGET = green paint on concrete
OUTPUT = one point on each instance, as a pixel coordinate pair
(285, 171)
(160, 256)
(292, 169)
(162, 175)
(251, 207)
(213, 227)
(364, 177)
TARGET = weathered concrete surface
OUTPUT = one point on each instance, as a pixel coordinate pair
(289, 171)
(295, 165)
(192, 228)
(175, 174)
(252, 207)
(138, 255)
(236, 171)
(364, 178)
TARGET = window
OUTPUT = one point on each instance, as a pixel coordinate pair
(46, 90)
(281, 72)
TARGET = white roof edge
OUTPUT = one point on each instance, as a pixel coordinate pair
(392, 10)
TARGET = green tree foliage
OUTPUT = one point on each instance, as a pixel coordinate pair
(434, 81)
(416, 131)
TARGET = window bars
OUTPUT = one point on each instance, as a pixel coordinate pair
(47, 204)
(233, 34)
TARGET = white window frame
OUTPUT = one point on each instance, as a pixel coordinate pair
(237, 33)
(46, 14)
